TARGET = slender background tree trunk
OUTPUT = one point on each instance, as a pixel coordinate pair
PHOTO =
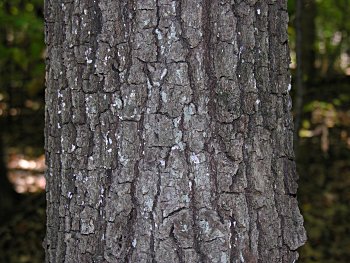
(169, 133)
(299, 71)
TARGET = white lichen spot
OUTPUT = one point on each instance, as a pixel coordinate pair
(289, 87)
(241, 257)
(146, 22)
(148, 204)
(189, 111)
(109, 150)
(240, 51)
(229, 235)
(163, 73)
(159, 34)
(117, 103)
(176, 121)
(179, 75)
(257, 102)
(205, 226)
(149, 84)
(134, 243)
(70, 195)
(73, 148)
(175, 147)
(172, 31)
(194, 158)
(164, 96)
(123, 160)
(181, 146)
(162, 163)
(89, 61)
(87, 226)
(258, 11)
(178, 136)
(190, 185)
(186, 199)
(85, 12)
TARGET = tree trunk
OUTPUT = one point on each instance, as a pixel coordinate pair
(169, 133)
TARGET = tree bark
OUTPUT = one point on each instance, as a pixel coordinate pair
(169, 133)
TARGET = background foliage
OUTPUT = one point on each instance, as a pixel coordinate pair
(322, 148)
(22, 72)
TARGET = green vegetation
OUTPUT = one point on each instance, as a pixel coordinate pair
(323, 148)
(22, 71)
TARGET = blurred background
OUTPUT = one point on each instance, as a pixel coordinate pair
(320, 64)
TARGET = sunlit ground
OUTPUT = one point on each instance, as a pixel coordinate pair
(27, 175)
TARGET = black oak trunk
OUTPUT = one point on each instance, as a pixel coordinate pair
(169, 132)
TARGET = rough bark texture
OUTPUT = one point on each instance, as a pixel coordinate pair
(169, 133)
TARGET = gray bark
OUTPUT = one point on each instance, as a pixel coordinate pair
(169, 133)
